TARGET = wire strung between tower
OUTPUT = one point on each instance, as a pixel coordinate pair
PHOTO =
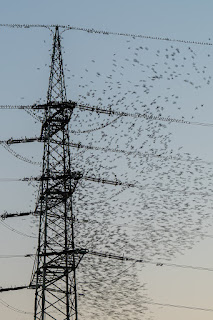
(110, 111)
(104, 32)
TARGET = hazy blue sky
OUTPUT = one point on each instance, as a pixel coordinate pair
(24, 69)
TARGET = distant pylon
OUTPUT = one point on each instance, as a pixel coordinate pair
(54, 273)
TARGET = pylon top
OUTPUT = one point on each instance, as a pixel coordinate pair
(56, 90)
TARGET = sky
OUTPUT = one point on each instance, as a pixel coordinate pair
(24, 64)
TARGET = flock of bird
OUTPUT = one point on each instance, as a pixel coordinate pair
(169, 208)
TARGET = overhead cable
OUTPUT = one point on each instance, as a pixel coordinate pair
(104, 32)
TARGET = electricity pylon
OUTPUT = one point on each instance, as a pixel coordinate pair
(57, 258)
(54, 273)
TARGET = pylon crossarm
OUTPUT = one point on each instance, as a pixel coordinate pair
(24, 140)
(68, 105)
(13, 288)
(16, 214)
(107, 181)
(58, 253)
(78, 175)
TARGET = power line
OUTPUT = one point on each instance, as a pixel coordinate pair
(122, 258)
(140, 115)
(157, 263)
(104, 32)
(119, 258)
(120, 114)
(79, 145)
(15, 25)
(13, 308)
(135, 152)
(124, 225)
(145, 302)
(18, 156)
(111, 182)
(131, 226)
(139, 36)
(16, 231)
(166, 264)
(178, 306)
(14, 256)
(96, 129)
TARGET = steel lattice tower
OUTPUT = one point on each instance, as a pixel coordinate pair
(54, 274)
